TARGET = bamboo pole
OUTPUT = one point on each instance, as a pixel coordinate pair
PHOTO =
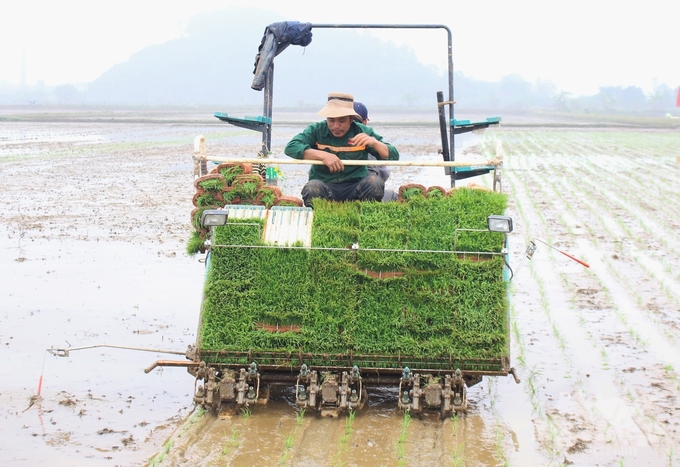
(290, 161)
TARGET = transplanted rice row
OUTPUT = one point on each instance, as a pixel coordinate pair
(635, 168)
(642, 246)
(642, 197)
(531, 375)
(539, 181)
(552, 427)
(596, 214)
(500, 444)
(293, 438)
(458, 457)
(343, 443)
(645, 413)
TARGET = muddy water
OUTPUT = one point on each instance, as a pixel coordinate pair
(94, 220)
(90, 256)
(377, 435)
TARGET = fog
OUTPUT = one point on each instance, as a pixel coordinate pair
(606, 56)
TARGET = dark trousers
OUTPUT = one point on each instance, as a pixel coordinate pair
(371, 187)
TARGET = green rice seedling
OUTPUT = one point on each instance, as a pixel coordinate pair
(246, 189)
(231, 443)
(246, 412)
(498, 448)
(198, 413)
(207, 200)
(290, 439)
(456, 420)
(401, 452)
(195, 244)
(605, 359)
(414, 303)
(230, 195)
(531, 379)
(492, 383)
(349, 421)
(213, 184)
(671, 456)
(196, 220)
(156, 461)
(288, 445)
(289, 442)
(268, 198)
(299, 416)
(343, 443)
(435, 193)
(410, 193)
(458, 457)
(229, 173)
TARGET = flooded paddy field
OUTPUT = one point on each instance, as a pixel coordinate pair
(94, 219)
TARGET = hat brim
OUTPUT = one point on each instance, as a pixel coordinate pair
(336, 112)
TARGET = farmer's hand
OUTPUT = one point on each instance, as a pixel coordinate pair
(362, 139)
(330, 160)
(333, 162)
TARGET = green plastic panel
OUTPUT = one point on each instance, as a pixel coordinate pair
(259, 119)
(487, 121)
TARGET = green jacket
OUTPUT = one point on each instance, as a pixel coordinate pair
(318, 134)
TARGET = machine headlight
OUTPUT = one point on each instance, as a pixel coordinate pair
(213, 218)
(501, 224)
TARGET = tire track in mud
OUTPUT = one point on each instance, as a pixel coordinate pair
(536, 183)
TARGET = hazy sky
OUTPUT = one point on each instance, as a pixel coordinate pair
(579, 45)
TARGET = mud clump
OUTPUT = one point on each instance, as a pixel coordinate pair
(579, 446)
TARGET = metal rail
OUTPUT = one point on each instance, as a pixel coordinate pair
(290, 161)
(450, 102)
(64, 352)
(449, 155)
(480, 368)
(357, 249)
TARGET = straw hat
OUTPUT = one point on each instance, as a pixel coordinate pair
(339, 105)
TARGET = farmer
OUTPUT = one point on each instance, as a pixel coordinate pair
(340, 138)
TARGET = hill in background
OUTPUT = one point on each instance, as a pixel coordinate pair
(212, 64)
